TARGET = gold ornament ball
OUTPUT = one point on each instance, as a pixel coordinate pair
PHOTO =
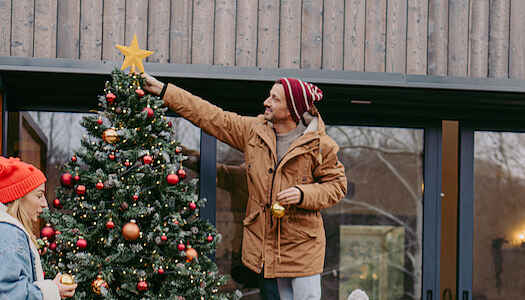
(191, 254)
(131, 231)
(97, 285)
(67, 279)
(278, 210)
(110, 136)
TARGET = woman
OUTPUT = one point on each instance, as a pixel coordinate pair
(21, 202)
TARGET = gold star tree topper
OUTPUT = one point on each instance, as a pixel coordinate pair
(133, 55)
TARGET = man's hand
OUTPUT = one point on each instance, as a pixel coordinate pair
(152, 85)
(289, 196)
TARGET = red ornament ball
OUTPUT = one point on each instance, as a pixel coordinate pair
(181, 247)
(193, 206)
(135, 197)
(172, 179)
(56, 203)
(81, 190)
(77, 178)
(164, 238)
(111, 156)
(142, 286)
(139, 92)
(65, 179)
(110, 224)
(127, 163)
(178, 149)
(210, 238)
(181, 173)
(147, 159)
(99, 121)
(160, 271)
(110, 97)
(81, 243)
(53, 246)
(150, 112)
(47, 232)
(99, 185)
(73, 158)
(170, 124)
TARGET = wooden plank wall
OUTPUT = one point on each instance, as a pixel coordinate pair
(435, 37)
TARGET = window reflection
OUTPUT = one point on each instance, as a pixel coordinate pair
(373, 235)
(499, 217)
(58, 134)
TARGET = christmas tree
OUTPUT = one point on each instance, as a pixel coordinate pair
(128, 222)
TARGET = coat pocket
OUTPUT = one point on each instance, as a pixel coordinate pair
(299, 227)
(254, 224)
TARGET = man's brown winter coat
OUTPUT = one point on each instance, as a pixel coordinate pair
(294, 245)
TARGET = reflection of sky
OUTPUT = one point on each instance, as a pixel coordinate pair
(64, 132)
(387, 139)
(505, 149)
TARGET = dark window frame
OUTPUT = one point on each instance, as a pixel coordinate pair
(378, 99)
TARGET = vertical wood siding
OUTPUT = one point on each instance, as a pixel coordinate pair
(45, 40)
(517, 40)
(437, 37)
(354, 44)
(5, 27)
(396, 35)
(375, 34)
(458, 37)
(159, 13)
(114, 20)
(68, 29)
(499, 38)
(246, 36)
(136, 22)
(22, 28)
(268, 33)
(481, 38)
(290, 34)
(333, 34)
(417, 25)
(224, 45)
(91, 30)
(203, 32)
(312, 34)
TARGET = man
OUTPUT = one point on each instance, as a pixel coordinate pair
(289, 160)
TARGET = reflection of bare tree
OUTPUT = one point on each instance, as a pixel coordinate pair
(389, 146)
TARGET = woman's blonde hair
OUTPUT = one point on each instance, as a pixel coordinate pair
(16, 210)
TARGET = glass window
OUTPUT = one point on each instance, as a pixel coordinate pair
(499, 217)
(48, 139)
(373, 236)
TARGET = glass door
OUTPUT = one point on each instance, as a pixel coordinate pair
(492, 222)
(374, 236)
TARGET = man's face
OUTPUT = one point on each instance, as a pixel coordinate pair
(275, 106)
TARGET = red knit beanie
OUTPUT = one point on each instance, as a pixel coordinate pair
(17, 179)
(300, 96)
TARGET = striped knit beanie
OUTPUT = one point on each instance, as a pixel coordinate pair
(300, 96)
(17, 179)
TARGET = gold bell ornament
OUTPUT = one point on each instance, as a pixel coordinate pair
(67, 279)
(110, 136)
(278, 210)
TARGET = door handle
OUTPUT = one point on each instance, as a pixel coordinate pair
(429, 295)
(465, 295)
(447, 293)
